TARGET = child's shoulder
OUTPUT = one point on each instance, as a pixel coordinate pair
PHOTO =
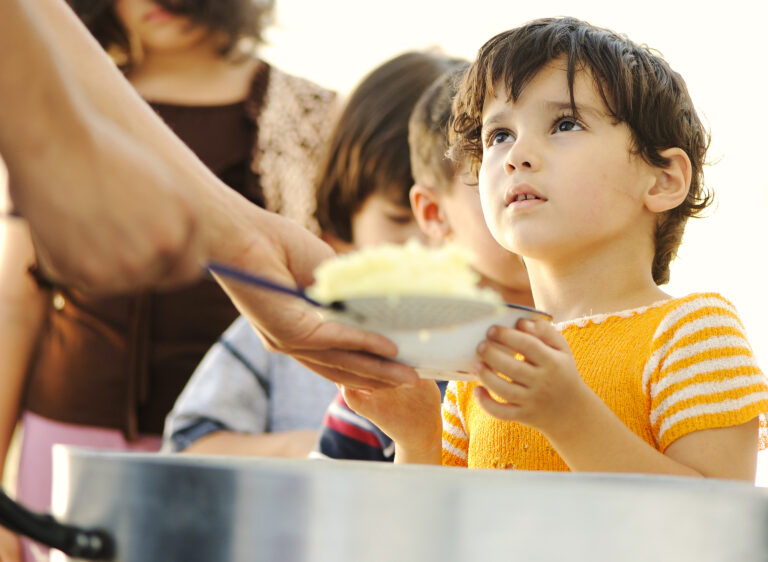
(667, 312)
(695, 308)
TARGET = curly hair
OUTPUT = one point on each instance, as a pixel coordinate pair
(235, 19)
(636, 84)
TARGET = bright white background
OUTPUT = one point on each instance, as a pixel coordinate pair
(719, 51)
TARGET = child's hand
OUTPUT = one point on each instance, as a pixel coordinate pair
(545, 389)
(409, 415)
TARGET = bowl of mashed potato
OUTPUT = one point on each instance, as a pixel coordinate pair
(427, 302)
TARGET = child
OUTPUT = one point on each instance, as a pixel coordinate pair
(448, 210)
(244, 400)
(590, 161)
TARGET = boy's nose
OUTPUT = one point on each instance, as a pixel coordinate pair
(520, 156)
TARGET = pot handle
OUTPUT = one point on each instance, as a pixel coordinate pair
(89, 544)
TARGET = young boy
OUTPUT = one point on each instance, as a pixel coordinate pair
(243, 399)
(590, 154)
(447, 209)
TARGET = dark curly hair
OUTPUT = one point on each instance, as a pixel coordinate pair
(636, 84)
(235, 19)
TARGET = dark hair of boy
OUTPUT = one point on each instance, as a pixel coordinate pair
(369, 147)
(234, 19)
(428, 131)
(636, 84)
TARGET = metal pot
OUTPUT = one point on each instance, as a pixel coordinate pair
(192, 508)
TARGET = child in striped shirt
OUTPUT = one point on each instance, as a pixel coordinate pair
(589, 156)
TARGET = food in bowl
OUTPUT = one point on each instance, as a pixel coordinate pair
(392, 270)
(442, 351)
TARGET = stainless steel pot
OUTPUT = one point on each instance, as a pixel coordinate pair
(190, 508)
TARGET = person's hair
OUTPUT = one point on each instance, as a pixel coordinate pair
(428, 131)
(368, 152)
(636, 84)
(233, 19)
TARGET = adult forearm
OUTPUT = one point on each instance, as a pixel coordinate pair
(106, 90)
(37, 102)
(21, 316)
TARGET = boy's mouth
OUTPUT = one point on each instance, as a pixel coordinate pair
(524, 196)
(521, 193)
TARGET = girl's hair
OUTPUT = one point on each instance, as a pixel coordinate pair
(637, 86)
(234, 19)
(368, 152)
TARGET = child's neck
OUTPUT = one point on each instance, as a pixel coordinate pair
(583, 289)
(513, 295)
(195, 76)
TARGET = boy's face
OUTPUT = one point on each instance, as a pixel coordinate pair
(381, 220)
(554, 186)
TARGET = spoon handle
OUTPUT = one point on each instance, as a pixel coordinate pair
(250, 278)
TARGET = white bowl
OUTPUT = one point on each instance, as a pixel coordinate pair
(449, 353)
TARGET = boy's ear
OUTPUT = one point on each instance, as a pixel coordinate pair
(431, 217)
(672, 182)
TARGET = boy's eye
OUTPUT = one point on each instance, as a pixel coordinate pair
(498, 137)
(565, 124)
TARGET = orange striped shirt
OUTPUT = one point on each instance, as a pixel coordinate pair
(675, 367)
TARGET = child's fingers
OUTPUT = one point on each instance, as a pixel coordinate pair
(528, 345)
(493, 407)
(545, 332)
(503, 360)
(510, 392)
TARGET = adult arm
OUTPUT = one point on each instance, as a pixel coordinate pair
(105, 211)
(116, 202)
(21, 313)
(21, 316)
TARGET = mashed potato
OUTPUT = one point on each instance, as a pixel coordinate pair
(399, 270)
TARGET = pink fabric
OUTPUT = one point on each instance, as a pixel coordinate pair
(36, 464)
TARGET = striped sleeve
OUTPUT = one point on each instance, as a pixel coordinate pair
(455, 438)
(702, 373)
(345, 434)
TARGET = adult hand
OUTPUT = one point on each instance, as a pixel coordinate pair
(277, 248)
